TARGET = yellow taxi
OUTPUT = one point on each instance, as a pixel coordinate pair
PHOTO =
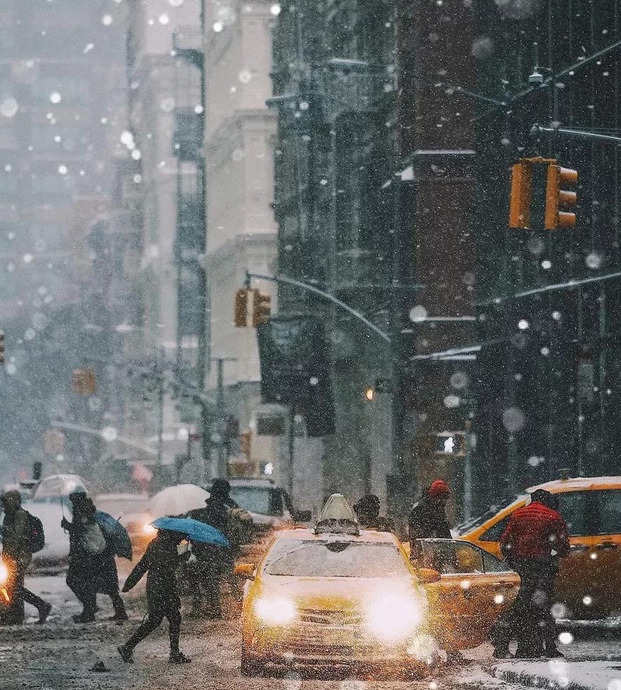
(587, 583)
(339, 596)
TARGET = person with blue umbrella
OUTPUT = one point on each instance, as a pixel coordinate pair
(160, 563)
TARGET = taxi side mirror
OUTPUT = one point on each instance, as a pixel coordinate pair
(427, 575)
(245, 570)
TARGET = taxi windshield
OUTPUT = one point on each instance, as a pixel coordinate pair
(319, 558)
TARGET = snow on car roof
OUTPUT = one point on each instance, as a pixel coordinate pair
(559, 485)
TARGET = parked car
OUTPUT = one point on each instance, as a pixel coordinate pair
(271, 508)
(591, 506)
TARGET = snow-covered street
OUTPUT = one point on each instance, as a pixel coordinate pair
(61, 656)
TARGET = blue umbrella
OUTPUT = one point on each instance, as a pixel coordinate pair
(195, 530)
(115, 534)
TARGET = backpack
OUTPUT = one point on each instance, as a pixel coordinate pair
(36, 534)
(92, 539)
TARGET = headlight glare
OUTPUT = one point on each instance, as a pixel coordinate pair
(149, 531)
(392, 618)
(275, 610)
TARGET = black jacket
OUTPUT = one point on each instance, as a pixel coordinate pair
(427, 520)
(160, 562)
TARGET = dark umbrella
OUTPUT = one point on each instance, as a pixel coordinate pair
(115, 534)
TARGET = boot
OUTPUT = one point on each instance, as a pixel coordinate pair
(44, 612)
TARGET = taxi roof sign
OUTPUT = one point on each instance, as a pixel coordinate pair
(337, 517)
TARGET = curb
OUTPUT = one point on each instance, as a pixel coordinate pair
(533, 680)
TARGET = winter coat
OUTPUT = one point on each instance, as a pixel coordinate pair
(535, 531)
(16, 537)
(225, 516)
(160, 563)
(427, 520)
(98, 572)
(379, 523)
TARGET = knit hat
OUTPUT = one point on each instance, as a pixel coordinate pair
(438, 488)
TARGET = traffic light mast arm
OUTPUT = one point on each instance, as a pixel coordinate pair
(575, 134)
(325, 295)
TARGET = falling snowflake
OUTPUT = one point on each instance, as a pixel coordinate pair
(418, 314)
(513, 419)
(594, 260)
(8, 107)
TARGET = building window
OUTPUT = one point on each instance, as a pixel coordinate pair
(270, 425)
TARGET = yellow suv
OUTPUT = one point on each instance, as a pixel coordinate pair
(588, 579)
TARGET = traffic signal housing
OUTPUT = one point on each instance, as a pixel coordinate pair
(558, 198)
(451, 443)
(241, 308)
(261, 308)
(521, 194)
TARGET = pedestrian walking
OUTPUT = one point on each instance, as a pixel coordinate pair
(533, 542)
(17, 549)
(215, 563)
(92, 566)
(160, 563)
(367, 511)
(427, 519)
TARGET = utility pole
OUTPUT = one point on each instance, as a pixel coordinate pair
(160, 403)
(222, 469)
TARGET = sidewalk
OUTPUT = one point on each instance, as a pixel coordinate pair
(561, 673)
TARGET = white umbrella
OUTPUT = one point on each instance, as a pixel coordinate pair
(176, 500)
(59, 485)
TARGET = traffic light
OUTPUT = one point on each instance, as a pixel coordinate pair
(84, 381)
(241, 308)
(451, 443)
(261, 308)
(521, 194)
(2, 347)
(557, 198)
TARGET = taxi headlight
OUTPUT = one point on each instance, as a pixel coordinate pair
(275, 610)
(392, 618)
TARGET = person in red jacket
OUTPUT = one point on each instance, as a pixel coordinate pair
(533, 542)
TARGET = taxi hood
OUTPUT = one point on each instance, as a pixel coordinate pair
(336, 593)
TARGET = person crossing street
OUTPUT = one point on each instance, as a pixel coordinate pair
(533, 543)
(160, 563)
(17, 549)
(427, 519)
(215, 563)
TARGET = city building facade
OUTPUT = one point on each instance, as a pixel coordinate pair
(241, 231)
(548, 396)
(373, 186)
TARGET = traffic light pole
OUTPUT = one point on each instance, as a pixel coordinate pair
(325, 295)
(574, 134)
